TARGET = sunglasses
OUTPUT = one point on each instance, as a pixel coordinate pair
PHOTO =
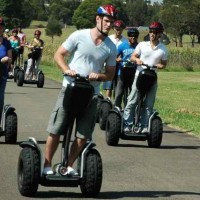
(154, 32)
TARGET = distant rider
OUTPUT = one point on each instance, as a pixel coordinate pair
(125, 51)
(34, 58)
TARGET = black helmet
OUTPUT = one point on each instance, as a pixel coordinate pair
(132, 32)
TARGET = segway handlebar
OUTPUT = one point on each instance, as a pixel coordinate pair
(150, 67)
(80, 77)
(77, 76)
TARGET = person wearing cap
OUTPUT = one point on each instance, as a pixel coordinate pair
(125, 51)
(5, 58)
(117, 38)
(90, 50)
(15, 44)
(153, 53)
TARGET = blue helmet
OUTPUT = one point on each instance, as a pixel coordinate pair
(107, 10)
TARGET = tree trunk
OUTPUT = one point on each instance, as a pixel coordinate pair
(198, 39)
(180, 40)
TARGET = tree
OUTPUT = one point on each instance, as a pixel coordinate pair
(64, 10)
(53, 28)
(180, 17)
(13, 12)
(137, 12)
(84, 15)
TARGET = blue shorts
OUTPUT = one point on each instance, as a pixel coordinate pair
(107, 85)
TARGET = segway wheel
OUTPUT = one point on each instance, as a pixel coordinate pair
(11, 128)
(105, 107)
(155, 136)
(40, 82)
(113, 129)
(16, 69)
(99, 101)
(91, 183)
(28, 172)
(20, 78)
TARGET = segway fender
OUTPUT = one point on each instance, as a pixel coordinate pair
(153, 115)
(28, 144)
(116, 110)
(108, 101)
(87, 148)
(32, 143)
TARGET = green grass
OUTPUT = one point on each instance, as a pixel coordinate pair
(178, 99)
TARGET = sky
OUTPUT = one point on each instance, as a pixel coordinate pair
(159, 1)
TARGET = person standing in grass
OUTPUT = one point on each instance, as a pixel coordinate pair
(153, 53)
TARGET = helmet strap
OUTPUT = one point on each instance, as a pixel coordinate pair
(104, 34)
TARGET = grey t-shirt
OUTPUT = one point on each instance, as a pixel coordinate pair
(86, 57)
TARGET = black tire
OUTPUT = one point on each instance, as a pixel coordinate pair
(104, 109)
(99, 101)
(91, 183)
(28, 172)
(155, 136)
(40, 82)
(15, 73)
(25, 65)
(113, 129)
(20, 78)
(11, 128)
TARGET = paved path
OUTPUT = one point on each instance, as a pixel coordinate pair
(130, 171)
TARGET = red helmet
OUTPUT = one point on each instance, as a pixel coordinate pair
(37, 32)
(157, 26)
(108, 10)
(2, 23)
(119, 24)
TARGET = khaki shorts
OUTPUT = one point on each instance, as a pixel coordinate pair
(84, 124)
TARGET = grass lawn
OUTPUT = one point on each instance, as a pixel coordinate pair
(178, 99)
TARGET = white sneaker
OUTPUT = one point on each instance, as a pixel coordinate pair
(71, 172)
(47, 171)
(144, 130)
(127, 129)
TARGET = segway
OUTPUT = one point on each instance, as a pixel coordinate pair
(9, 124)
(104, 108)
(127, 77)
(20, 74)
(114, 125)
(89, 163)
(99, 101)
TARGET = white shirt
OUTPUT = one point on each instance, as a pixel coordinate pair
(150, 56)
(87, 57)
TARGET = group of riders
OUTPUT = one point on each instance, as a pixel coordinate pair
(18, 41)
